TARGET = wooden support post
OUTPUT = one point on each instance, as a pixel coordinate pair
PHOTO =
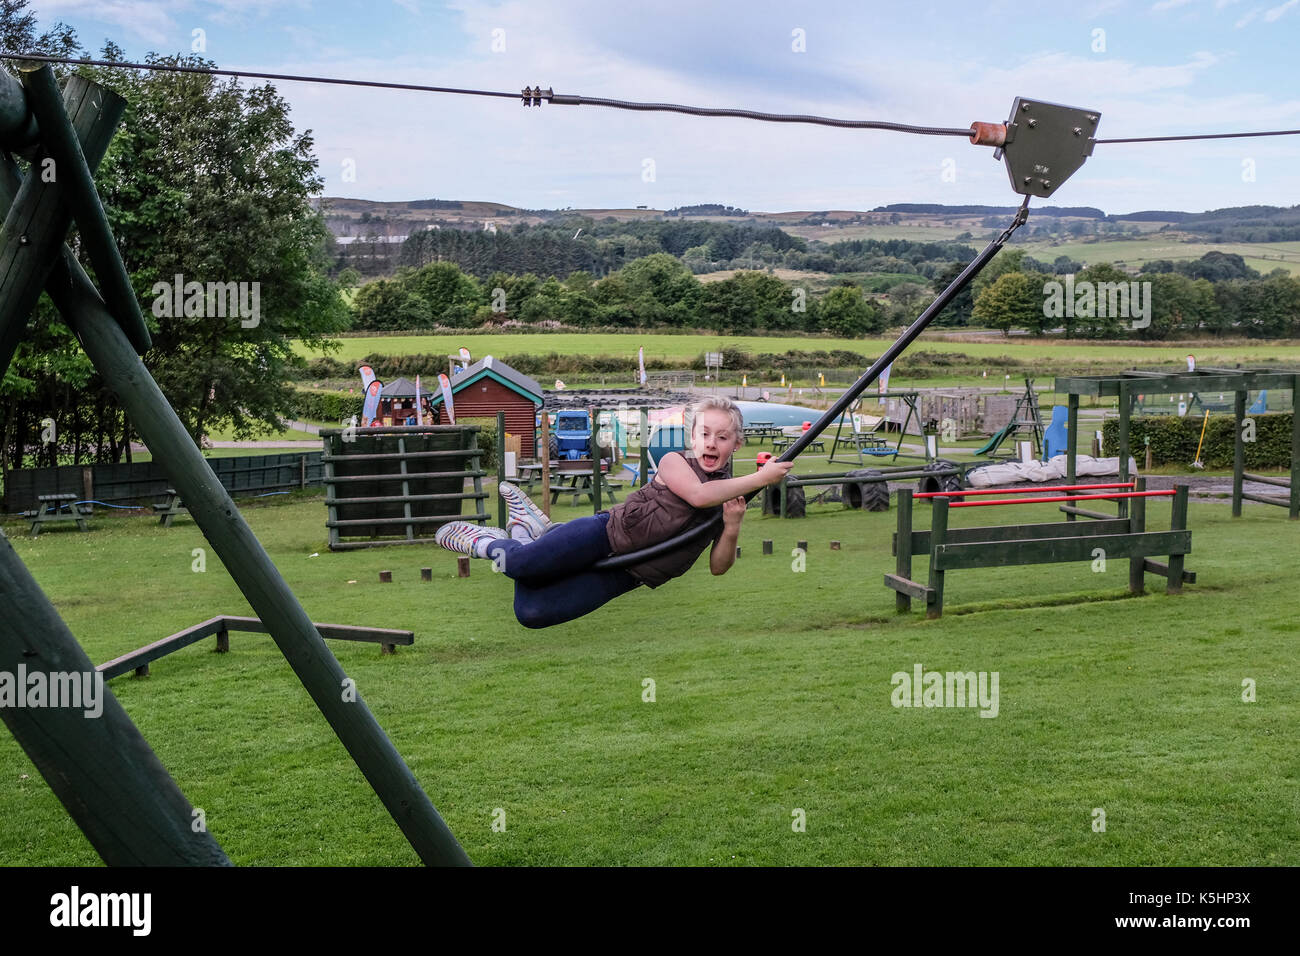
(802, 546)
(101, 768)
(1071, 447)
(17, 124)
(1137, 524)
(938, 534)
(1294, 510)
(462, 567)
(142, 670)
(246, 560)
(903, 547)
(223, 641)
(835, 545)
(1238, 452)
(767, 547)
(594, 445)
(544, 446)
(387, 648)
(1177, 522)
(59, 138)
(1125, 414)
(501, 467)
(385, 577)
(737, 551)
(37, 214)
(641, 477)
(426, 574)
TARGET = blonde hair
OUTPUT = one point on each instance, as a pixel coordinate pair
(718, 403)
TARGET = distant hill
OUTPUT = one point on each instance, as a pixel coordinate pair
(365, 221)
(938, 209)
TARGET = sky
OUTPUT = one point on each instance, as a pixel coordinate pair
(1154, 68)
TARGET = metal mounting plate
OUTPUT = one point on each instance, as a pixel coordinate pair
(1046, 143)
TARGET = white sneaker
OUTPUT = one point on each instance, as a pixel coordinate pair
(465, 538)
(527, 522)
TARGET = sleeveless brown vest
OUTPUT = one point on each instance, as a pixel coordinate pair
(653, 514)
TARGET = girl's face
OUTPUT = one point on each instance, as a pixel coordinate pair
(713, 439)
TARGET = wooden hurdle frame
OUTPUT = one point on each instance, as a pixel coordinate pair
(952, 549)
(397, 484)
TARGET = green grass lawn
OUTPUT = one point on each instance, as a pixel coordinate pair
(772, 694)
(689, 346)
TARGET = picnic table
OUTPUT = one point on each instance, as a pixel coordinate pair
(760, 431)
(169, 508)
(789, 438)
(579, 482)
(531, 474)
(50, 509)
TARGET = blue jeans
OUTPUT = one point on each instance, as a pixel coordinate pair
(554, 580)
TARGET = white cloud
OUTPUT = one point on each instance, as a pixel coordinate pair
(1279, 11)
(150, 21)
(1164, 5)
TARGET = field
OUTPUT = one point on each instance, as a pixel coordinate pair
(772, 695)
(1262, 256)
(676, 347)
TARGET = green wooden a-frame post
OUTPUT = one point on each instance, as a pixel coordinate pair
(102, 769)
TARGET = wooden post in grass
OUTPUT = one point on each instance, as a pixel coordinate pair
(938, 535)
(1293, 510)
(1071, 443)
(593, 442)
(1125, 415)
(1238, 450)
(903, 548)
(1177, 522)
(212, 509)
(100, 767)
(544, 452)
(645, 449)
(501, 466)
(1137, 524)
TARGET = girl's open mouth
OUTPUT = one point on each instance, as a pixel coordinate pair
(709, 461)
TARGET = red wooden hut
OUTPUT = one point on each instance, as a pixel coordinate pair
(487, 387)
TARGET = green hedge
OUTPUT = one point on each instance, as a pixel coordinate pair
(325, 406)
(1173, 440)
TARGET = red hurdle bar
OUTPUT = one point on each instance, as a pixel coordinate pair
(1025, 501)
(1021, 491)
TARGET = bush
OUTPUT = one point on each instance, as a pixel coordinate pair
(1174, 439)
(487, 440)
(324, 406)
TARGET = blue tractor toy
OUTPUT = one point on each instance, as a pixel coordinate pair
(572, 435)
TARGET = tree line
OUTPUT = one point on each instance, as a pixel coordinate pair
(1217, 294)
